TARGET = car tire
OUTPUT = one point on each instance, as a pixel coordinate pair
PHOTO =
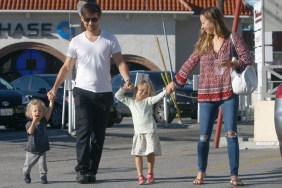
(159, 113)
(56, 118)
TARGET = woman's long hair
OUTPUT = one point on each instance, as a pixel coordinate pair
(213, 15)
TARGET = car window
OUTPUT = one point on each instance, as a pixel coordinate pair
(4, 85)
(117, 82)
(37, 84)
(132, 78)
(50, 80)
(22, 83)
(157, 81)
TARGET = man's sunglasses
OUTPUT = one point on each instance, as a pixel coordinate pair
(90, 19)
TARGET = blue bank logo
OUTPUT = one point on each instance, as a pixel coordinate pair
(64, 30)
(31, 61)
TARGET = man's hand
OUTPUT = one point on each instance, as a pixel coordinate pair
(127, 85)
(51, 95)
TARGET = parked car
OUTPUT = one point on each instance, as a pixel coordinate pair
(278, 115)
(37, 86)
(115, 114)
(12, 106)
(186, 98)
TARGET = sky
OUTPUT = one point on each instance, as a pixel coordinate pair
(251, 2)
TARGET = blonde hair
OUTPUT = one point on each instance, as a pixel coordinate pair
(213, 15)
(34, 102)
(148, 87)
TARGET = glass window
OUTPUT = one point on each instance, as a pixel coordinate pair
(22, 84)
(117, 83)
(37, 84)
(4, 85)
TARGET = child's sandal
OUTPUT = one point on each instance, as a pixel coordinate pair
(235, 181)
(150, 178)
(141, 180)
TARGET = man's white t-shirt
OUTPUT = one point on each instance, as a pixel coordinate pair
(93, 61)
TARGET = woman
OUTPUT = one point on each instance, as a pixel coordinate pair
(213, 52)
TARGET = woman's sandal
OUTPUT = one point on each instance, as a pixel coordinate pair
(235, 181)
(199, 181)
(141, 180)
(150, 178)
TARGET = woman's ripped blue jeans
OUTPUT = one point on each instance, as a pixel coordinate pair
(208, 115)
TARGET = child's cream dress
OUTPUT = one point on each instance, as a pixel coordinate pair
(145, 139)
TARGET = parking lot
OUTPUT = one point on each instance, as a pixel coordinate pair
(176, 167)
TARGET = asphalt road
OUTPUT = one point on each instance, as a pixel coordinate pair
(176, 167)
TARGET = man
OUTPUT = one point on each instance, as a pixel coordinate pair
(91, 53)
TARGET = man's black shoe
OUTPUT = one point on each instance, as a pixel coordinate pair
(81, 177)
(27, 178)
(44, 180)
(91, 177)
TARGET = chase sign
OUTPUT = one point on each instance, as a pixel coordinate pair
(35, 29)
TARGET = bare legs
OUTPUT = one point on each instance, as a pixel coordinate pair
(139, 163)
(151, 163)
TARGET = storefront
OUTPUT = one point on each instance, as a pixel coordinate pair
(35, 41)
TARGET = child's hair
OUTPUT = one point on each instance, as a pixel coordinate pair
(147, 86)
(34, 102)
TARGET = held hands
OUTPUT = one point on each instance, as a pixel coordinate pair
(51, 95)
(129, 88)
(128, 85)
(170, 87)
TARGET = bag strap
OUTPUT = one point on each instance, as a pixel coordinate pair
(234, 53)
(233, 48)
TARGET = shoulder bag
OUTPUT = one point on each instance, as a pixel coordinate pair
(246, 82)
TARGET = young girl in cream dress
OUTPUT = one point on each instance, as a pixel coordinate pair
(145, 140)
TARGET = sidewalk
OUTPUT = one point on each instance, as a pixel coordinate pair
(246, 138)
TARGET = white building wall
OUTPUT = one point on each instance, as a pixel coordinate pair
(137, 35)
